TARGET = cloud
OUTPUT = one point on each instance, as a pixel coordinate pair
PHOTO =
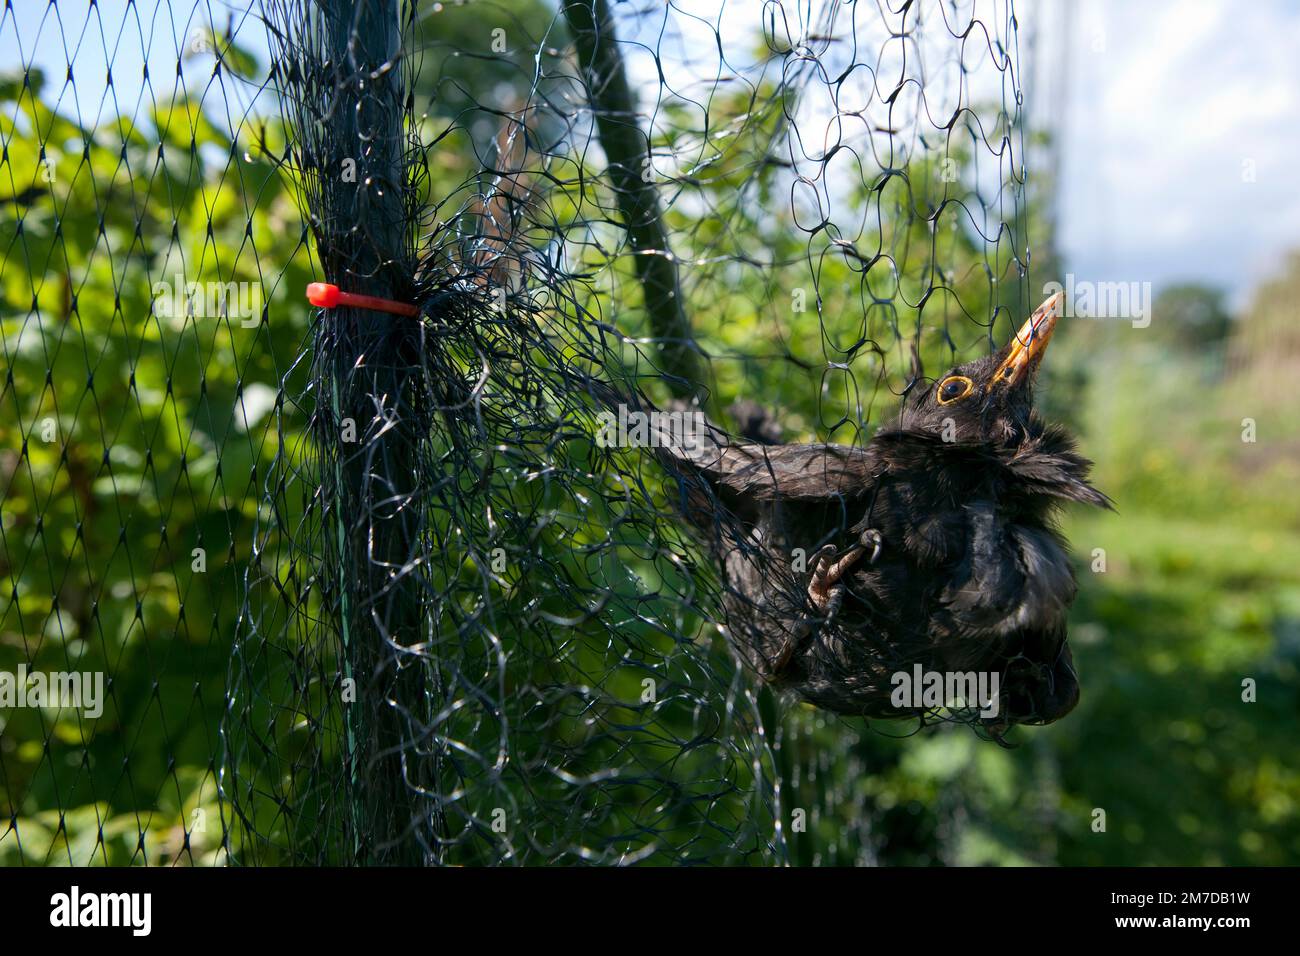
(1179, 136)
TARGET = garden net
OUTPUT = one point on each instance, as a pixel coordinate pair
(361, 587)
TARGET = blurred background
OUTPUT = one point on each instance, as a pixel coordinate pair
(1150, 177)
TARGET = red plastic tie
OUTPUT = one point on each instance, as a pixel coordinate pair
(327, 296)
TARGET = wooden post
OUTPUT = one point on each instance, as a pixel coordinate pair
(627, 150)
(377, 494)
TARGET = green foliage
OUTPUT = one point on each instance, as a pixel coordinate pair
(137, 413)
(168, 424)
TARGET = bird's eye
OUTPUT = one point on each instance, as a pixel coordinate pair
(954, 388)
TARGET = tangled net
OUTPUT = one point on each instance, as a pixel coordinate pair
(470, 631)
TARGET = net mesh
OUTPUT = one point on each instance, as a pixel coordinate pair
(365, 588)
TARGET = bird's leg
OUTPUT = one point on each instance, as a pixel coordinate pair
(825, 590)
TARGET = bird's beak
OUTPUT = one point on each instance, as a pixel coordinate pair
(1030, 342)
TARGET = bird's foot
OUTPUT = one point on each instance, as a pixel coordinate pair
(823, 586)
(826, 596)
(825, 590)
(871, 539)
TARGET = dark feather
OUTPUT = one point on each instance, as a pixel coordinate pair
(970, 574)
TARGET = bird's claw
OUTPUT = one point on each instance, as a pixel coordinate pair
(825, 576)
(871, 540)
(826, 588)
(825, 596)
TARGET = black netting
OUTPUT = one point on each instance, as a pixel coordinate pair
(368, 587)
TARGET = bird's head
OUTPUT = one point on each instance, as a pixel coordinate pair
(990, 400)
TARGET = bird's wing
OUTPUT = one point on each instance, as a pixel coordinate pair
(804, 472)
(925, 453)
(1049, 465)
(1011, 578)
(1045, 465)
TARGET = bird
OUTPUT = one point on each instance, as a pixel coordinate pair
(933, 546)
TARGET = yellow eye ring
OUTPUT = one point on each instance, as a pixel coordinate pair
(953, 389)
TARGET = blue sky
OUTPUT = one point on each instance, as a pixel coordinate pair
(1171, 108)
(125, 38)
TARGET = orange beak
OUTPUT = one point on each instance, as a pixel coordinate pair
(1030, 342)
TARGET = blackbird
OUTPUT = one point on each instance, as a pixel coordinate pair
(932, 550)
